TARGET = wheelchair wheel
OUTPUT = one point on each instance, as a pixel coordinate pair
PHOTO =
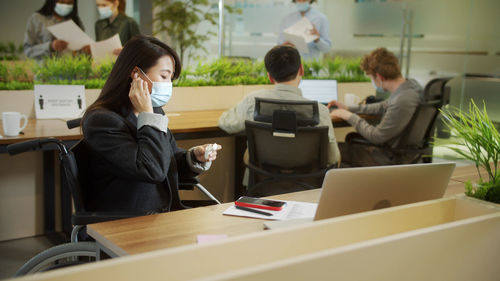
(60, 256)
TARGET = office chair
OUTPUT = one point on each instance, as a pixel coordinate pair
(286, 153)
(415, 143)
(74, 167)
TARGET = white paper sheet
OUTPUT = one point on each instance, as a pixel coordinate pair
(298, 41)
(104, 49)
(303, 29)
(292, 210)
(71, 33)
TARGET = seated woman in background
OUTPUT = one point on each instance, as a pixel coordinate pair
(134, 161)
(112, 20)
(38, 41)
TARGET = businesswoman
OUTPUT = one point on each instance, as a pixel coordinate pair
(135, 164)
(38, 41)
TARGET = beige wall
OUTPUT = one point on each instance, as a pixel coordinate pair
(21, 190)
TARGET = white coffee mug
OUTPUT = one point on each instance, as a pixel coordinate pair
(11, 121)
(351, 99)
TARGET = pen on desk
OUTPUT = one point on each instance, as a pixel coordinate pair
(253, 210)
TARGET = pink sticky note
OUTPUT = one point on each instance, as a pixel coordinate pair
(207, 238)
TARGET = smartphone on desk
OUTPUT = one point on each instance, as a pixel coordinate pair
(259, 203)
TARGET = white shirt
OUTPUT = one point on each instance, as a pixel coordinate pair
(320, 21)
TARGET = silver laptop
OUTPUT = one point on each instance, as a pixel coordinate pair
(353, 190)
(322, 91)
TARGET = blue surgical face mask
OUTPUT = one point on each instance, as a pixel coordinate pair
(105, 12)
(302, 7)
(377, 88)
(63, 9)
(161, 92)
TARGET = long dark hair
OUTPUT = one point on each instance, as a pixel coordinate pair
(142, 51)
(48, 10)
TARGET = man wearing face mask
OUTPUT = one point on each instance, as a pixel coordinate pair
(38, 41)
(321, 28)
(112, 20)
(396, 112)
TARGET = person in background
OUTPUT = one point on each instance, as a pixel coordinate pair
(135, 164)
(321, 27)
(396, 112)
(285, 71)
(112, 20)
(38, 41)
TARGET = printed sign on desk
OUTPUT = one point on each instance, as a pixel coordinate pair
(59, 101)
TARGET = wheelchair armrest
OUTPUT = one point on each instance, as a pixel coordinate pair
(84, 218)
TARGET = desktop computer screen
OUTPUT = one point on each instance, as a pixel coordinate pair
(323, 91)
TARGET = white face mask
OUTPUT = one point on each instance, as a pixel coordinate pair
(302, 7)
(63, 9)
(161, 92)
(105, 12)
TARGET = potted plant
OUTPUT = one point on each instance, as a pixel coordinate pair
(479, 141)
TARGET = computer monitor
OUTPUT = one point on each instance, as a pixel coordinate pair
(354, 190)
(322, 91)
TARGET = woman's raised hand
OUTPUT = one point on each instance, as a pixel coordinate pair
(139, 95)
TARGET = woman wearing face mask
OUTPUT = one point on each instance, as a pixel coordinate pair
(38, 41)
(112, 20)
(134, 161)
(321, 28)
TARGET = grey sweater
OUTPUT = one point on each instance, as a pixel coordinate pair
(396, 112)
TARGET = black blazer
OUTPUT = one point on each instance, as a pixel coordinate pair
(131, 170)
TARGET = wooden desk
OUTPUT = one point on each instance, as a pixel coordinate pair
(144, 234)
(180, 123)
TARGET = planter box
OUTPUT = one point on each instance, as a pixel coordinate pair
(183, 98)
(446, 239)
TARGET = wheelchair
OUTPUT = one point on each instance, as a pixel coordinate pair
(73, 171)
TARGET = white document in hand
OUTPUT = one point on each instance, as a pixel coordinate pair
(104, 49)
(71, 33)
(302, 28)
(298, 41)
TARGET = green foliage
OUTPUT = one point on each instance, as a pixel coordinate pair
(81, 70)
(476, 132)
(9, 51)
(72, 70)
(340, 69)
(16, 71)
(180, 19)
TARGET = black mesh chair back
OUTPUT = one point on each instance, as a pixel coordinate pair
(419, 132)
(283, 155)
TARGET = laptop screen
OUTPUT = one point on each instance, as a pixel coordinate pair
(322, 91)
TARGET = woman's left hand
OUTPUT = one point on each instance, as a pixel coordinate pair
(206, 152)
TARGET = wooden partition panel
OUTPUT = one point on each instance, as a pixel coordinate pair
(411, 241)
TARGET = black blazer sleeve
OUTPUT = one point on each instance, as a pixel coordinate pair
(141, 155)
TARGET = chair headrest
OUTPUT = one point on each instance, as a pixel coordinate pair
(435, 88)
(306, 112)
